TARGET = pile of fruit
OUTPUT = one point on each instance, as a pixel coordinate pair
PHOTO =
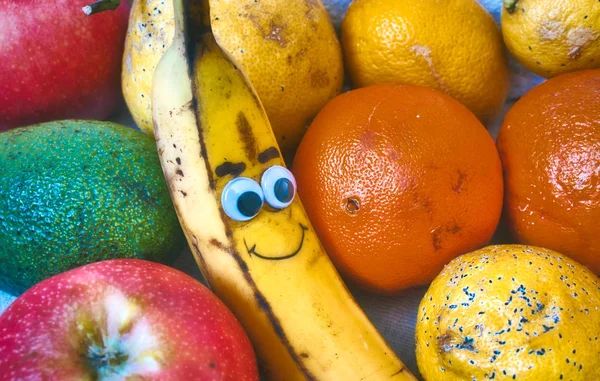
(451, 145)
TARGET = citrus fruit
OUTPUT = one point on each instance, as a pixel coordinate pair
(553, 37)
(453, 46)
(397, 180)
(549, 145)
(510, 312)
(288, 49)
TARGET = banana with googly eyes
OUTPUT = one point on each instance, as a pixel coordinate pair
(248, 231)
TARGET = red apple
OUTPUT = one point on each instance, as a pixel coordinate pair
(123, 318)
(58, 63)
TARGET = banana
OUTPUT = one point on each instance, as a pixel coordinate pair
(249, 234)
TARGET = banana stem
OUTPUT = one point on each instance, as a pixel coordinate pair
(101, 6)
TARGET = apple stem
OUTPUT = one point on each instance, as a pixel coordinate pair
(101, 6)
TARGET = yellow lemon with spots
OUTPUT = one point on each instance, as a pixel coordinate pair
(287, 48)
(510, 312)
(553, 37)
(453, 46)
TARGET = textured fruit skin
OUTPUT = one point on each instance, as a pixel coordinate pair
(453, 46)
(271, 270)
(510, 312)
(149, 35)
(42, 334)
(75, 192)
(288, 49)
(553, 37)
(549, 145)
(423, 171)
(58, 63)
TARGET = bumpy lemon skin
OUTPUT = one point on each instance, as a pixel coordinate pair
(510, 312)
(553, 37)
(288, 49)
(453, 46)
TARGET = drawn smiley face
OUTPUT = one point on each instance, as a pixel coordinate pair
(250, 204)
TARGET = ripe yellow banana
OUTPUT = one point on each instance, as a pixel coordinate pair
(249, 235)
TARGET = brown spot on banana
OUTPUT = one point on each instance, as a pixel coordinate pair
(200, 259)
(312, 262)
(215, 242)
(184, 108)
(402, 370)
(247, 136)
(266, 308)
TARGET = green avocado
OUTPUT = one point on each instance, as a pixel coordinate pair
(75, 192)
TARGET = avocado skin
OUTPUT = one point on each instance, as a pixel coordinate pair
(75, 192)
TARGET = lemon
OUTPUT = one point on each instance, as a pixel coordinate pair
(453, 46)
(553, 37)
(510, 312)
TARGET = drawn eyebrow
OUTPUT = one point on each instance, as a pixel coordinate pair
(268, 154)
(229, 168)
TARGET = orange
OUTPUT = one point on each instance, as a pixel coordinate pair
(397, 180)
(453, 46)
(550, 149)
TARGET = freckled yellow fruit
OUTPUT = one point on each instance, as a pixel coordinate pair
(510, 312)
(453, 46)
(288, 49)
(149, 35)
(553, 37)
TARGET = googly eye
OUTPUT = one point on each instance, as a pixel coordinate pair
(242, 199)
(279, 186)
